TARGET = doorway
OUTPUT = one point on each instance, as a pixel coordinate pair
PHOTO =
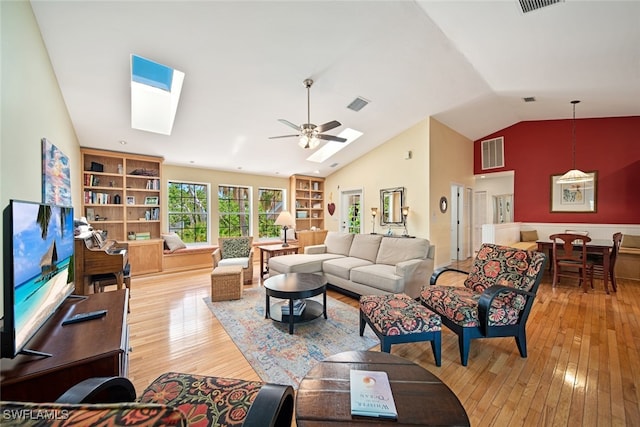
(351, 211)
(461, 214)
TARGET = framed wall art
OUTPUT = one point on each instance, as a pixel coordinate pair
(576, 197)
(56, 175)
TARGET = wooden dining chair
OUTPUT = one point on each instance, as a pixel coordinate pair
(596, 265)
(570, 257)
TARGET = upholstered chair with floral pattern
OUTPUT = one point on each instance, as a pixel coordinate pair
(235, 251)
(495, 300)
(173, 399)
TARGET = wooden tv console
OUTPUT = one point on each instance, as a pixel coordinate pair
(94, 348)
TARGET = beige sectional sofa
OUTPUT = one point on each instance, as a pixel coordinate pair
(364, 264)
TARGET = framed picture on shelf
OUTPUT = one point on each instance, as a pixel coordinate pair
(151, 200)
(576, 197)
(131, 200)
(91, 214)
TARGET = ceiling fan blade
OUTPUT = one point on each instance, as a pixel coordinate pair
(331, 138)
(288, 123)
(328, 126)
(284, 136)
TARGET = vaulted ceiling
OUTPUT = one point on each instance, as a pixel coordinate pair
(469, 64)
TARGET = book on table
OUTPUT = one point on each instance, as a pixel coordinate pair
(371, 394)
(298, 307)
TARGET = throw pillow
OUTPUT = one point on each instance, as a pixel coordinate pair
(236, 248)
(173, 242)
(529, 236)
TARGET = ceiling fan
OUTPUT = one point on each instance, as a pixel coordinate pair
(310, 134)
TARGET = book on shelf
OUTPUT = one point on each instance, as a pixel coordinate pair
(371, 394)
(298, 307)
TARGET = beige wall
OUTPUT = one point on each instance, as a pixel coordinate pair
(32, 108)
(216, 178)
(386, 167)
(440, 157)
(451, 162)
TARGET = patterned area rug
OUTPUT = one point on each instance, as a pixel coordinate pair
(282, 358)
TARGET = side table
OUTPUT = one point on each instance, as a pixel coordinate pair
(421, 399)
(267, 251)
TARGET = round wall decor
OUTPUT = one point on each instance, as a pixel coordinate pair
(443, 204)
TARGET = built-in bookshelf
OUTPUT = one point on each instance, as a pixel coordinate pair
(121, 193)
(307, 195)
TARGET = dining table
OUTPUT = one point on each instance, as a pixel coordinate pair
(595, 246)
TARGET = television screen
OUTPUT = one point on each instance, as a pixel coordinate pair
(39, 275)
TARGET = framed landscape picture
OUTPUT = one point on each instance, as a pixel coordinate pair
(56, 175)
(151, 200)
(576, 197)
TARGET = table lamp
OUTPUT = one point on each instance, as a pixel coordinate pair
(374, 212)
(285, 220)
(405, 213)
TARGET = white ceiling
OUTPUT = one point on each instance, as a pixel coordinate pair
(468, 64)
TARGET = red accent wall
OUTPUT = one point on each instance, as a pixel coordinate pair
(537, 150)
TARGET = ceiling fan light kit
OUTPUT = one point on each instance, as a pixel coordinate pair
(309, 134)
(574, 175)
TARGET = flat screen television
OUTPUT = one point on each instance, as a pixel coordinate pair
(38, 269)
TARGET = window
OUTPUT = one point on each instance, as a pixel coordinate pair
(270, 204)
(189, 211)
(234, 209)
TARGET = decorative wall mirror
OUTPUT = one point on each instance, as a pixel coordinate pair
(391, 202)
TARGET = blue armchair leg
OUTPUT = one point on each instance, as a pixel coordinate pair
(436, 345)
(465, 343)
(521, 342)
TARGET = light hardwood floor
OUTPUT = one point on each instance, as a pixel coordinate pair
(583, 366)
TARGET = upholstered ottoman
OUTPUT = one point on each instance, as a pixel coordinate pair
(226, 283)
(397, 318)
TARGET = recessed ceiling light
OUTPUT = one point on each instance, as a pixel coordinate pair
(122, 142)
(191, 161)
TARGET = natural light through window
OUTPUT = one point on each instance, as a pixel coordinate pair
(332, 147)
(155, 92)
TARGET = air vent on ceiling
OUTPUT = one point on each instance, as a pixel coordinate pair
(358, 104)
(333, 165)
(531, 5)
(493, 153)
(529, 99)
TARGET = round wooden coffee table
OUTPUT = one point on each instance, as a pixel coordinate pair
(295, 286)
(323, 396)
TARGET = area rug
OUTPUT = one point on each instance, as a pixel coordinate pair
(279, 357)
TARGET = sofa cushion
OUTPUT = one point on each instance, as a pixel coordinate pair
(338, 243)
(529, 236)
(341, 267)
(299, 263)
(365, 246)
(173, 242)
(394, 250)
(242, 262)
(236, 247)
(379, 276)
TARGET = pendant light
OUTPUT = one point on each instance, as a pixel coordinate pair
(574, 175)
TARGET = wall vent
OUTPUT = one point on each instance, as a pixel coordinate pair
(531, 5)
(333, 165)
(493, 153)
(529, 99)
(358, 104)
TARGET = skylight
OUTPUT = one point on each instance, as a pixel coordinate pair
(155, 92)
(332, 147)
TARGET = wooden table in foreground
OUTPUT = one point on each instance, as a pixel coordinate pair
(323, 397)
(595, 246)
(274, 250)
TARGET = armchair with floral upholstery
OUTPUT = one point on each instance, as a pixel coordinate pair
(235, 251)
(495, 300)
(173, 399)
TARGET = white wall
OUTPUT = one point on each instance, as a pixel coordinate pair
(32, 108)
